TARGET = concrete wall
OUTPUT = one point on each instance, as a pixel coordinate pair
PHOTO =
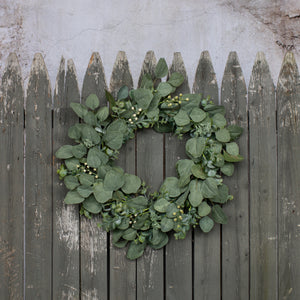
(76, 28)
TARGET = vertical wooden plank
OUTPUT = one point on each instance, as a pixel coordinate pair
(93, 240)
(122, 270)
(38, 183)
(65, 217)
(206, 82)
(150, 272)
(263, 185)
(235, 234)
(179, 254)
(288, 122)
(11, 181)
(207, 262)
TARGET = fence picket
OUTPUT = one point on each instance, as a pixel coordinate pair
(11, 181)
(93, 240)
(179, 254)
(150, 276)
(65, 217)
(263, 169)
(122, 270)
(38, 183)
(288, 124)
(206, 247)
(235, 247)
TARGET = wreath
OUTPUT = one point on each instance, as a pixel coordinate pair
(127, 210)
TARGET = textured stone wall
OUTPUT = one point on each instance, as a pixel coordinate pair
(76, 28)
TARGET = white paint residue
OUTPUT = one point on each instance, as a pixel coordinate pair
(68, 227)
(90, 294)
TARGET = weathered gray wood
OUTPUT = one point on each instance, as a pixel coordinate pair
(93, 240)
(205, 78)
(38, 184)
(122, 270)
(288, 123)
(235, 234)
(150, 267)
(179, 254)
(207, 261)
(263, 181)
(65, 217)
(11, 181)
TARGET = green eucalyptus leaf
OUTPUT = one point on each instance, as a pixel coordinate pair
(114, 179)
(197, 115)
(164, 89)
(204, 209)
(161, 205)
(79, 109)
(129, 234)
(146, 82)
(206, 224)
(223, 135)
(232, 158)
(132, 184)
(172, 210)
(161, 69)
(115, 134)
(209, 188)
(84, 190)
(74, 132)
(219, 120)
(222, 195)
(176, 79)
(73, 197)
(182, 118)
(139, 222)
(197, 171)
(110, 98)
(170, 186)
(142, 97)
(232, 149)
(101, 194)
(166, 224)
(120, 244)
(64, 152)
(103, 113)
(92, 101)
(135, 250)
(235, 131)
(91, 205)
(139, 202)
(86, 179)
(90, 119)
(228, 169)
(192, 102)
(71, 182)
(195, 146)
(218, 215)
(79, 151)
(214, 109)
(116, 235)
(90, 135)
(123, 93)
(96, 158)
(195, 197)
(72, 164)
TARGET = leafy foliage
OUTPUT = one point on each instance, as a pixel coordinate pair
(134, 217)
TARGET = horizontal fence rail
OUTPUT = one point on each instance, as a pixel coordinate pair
(48, 251)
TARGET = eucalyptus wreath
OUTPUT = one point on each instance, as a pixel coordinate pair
(127, 210)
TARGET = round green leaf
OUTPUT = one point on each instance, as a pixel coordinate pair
(90, 119)
(79, 151)
(129, 234)
(195, 146)
(71, 182)
(74, 133)
(72, 164)
(86, 179)
(206, 224)
(132, 184)
(91, 205)
(64, 152)
(142, 97)
(223, 135)
(139, 202)
(166, 224)
(164, 89)
(102, 113)
(227, 169)
(73, 197)
(182, 118)
(114, 179)
(79, 109)
(195, 196)
(218, 214)
(135, 250)
(232, 148)
(161, 69)
(161, 205)
(101, 194)
(96, 158)
(84, 190)
(176, 79)
(92, 101)
(197, 115)
(219, 120)
(204, 209)
(170, 186)
(209, 188)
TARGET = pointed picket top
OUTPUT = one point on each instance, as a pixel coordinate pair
(121, 74)
(59, 84)
(11, 90)
(38, 67)
(261, 88)
(149, 65)
(234, 91)
(288, 89)
(178, 66)
(72, 93)
(205, 78)
(94, 79)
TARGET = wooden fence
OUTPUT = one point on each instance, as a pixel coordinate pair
(47, 251)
